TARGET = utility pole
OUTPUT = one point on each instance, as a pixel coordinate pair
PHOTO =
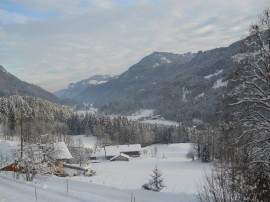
(21, 121)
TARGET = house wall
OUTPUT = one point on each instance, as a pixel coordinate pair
(132, 154)
(58, 167)
(121, 158)
(11, 167)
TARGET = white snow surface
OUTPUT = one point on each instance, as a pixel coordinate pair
(116, 180)
(141, 114)
(184, 97)
(198, 96)
(117, 149)
(94, 82)
(197, 121)
(215, 74)
(62, 151)
(54, 190)
(180, 174)
(162, 122)
(146, 114)
(7, 151)
(156, 65)
(88, 141)
(220, 83)
(90, 111)
(165, 60)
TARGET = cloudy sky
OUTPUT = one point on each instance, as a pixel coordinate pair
(54, 42)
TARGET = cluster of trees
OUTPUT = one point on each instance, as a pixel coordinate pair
(242, 159)
(38, 122)
(204, 142)
(120, 130)
(34, 113)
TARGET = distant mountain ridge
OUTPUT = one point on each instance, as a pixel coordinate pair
(74, 89)
(11, 85)
(145, 73)
(179, 87)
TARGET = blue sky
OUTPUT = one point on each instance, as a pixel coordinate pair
(54, 42)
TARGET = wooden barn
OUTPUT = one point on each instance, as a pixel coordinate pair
(132, 150)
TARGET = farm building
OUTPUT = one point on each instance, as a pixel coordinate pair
(10, 153)
(120, 157)
(132, 150)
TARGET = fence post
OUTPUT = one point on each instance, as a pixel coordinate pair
(67, 185)
(36, 193)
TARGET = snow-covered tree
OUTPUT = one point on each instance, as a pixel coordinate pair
(156, 182)
(79, 153)
(251, 94)
(245, 137)
(37, 160)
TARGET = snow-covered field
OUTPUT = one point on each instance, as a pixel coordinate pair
(147, 116)
(55, 190)
(180, 174)
(143, 115)
(115, 181)
(88, 142)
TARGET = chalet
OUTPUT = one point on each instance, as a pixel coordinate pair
(132, 150)
(10, 153)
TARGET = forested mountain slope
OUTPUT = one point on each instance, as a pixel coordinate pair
(11, 85)
(178, 87)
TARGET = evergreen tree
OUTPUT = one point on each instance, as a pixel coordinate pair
(205, 154)
(156, 182)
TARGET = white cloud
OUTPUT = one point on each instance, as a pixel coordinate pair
(74, 39)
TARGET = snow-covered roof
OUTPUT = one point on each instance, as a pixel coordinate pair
(117, 149)
(124, 155)
(61, 151)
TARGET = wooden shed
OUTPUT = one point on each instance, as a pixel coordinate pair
(120, 157)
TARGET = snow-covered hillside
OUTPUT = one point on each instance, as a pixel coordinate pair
(147, 116)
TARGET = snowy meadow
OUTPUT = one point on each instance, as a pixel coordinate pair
(116, 181)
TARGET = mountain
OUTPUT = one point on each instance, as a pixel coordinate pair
(11, 85)
(150, 70)
(179, 87)
(74, 89)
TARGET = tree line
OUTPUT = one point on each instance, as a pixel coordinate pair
(40, 121)
(121, 130)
